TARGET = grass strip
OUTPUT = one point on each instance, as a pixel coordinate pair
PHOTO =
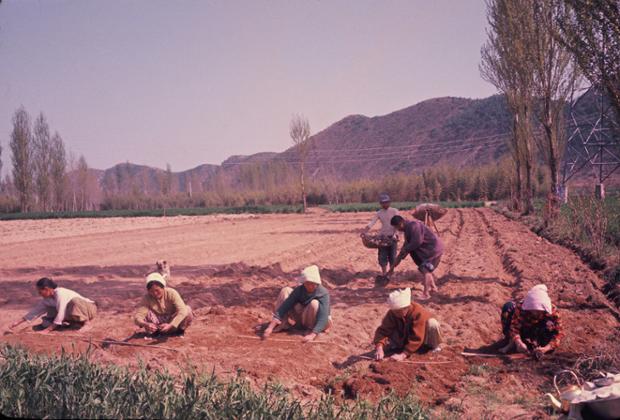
(200, 211)
(404, 205)
(66, 386)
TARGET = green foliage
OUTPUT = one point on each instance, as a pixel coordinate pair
(406, 205)
(481, 370)
(153, 213)
(590, 223)
(67, 386)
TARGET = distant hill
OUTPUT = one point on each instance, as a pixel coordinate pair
(456, 132)
(451, 131)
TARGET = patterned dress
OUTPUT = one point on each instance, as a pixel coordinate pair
(536, 329)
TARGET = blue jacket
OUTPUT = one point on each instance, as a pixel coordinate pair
(301, 295)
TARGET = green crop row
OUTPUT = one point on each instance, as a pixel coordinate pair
(153, 213)
(65, 386)
(405, 205)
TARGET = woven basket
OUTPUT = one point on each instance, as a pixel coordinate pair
(434, 210)
(377, 241)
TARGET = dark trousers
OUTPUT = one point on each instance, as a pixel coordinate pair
(387, 254)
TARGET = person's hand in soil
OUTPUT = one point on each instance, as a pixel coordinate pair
(166, 328)
(150, 327)
(379, 354)
(542, 349)
(270, 328)
(15, 324)
(309, 337)
(521, 347)
(399, 357)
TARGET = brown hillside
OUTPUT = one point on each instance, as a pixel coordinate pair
(451, 131)
(455, 132)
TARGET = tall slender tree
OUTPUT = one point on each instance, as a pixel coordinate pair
(299, 129)
(590, 30)
(506, 64)
(83, 184)
(58, 170)
(555, 76)
(21, 151)
(42, 161)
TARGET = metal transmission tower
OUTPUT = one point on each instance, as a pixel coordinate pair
(593, 143)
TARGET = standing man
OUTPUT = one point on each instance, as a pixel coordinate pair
(386, 254)
(424, 247)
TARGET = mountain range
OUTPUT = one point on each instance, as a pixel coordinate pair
(450, 131)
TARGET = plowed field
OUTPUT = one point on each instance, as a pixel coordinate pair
(229, 269)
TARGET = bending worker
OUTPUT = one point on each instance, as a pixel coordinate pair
(386, 254)
(407, 326)
(424, 247)
(306, 306)
(532, 325)
(62, 307)
(162, 309)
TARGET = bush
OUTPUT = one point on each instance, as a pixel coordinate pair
(65, 386)
(590, 223)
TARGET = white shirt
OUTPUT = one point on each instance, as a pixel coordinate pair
(59, 301)
(385, 216)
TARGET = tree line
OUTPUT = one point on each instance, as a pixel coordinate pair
(44, 177)
(537, 53)
(277, 183)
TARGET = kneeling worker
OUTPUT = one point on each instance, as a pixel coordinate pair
(62, 307)
(162, 309)
(532, 325)
(305, 306)
(407, 326)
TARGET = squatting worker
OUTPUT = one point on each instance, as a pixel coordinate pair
(532, 325)
(424, 247)
(406, 327)
(306, 306)
(162, 309)
(387, 254)
(62, 307)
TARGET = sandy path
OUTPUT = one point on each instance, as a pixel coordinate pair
(237, 265)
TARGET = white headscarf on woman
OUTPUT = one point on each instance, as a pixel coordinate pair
(537, 299)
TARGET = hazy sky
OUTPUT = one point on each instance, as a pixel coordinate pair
(191, 82)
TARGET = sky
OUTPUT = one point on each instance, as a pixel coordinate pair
(191, 82)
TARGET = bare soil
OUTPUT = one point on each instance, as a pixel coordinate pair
(229, 269)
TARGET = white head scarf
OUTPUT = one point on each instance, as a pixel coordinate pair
(311, 274)
(537, 299)
(156, 277)
(399, 298)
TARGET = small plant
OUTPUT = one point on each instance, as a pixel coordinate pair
(481, 370)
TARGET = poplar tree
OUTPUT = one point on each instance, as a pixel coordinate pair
(21, 157)
(299, 130)
(42, 161)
